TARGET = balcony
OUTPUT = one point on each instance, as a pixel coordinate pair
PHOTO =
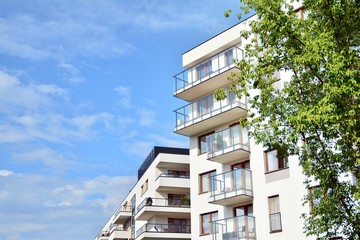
(233, 187)
(228, 145)
(122, 214)
(172, 182)
(207, 113)
(163, 231)
(211, 74)
(118, 232)
(235, 228)
(103, 235)
(150, 207)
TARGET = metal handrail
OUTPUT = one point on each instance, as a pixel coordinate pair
(116, 227)
(239, 227)
(182, 116)
(173, 175)
(160, 202)
(163, 228)
(223, 140)
(182, 79)
(122, 208)
(224, 185)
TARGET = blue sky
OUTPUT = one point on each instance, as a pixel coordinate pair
(86, 91)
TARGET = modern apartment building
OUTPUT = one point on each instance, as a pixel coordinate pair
(158, 206)
(239, 190)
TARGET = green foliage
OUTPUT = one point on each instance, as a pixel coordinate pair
(319, 104)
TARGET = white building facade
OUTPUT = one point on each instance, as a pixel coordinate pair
(239, 190)
(158, 206)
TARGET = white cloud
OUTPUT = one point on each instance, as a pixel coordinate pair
(147, 117)
(124, 94)
(64, 30)
(52, 127)
(29, 113)
(46, 205)
(46, 156)
(169, 142)
(70, 73)
(15, 95)
(138, 148)
(5, 173)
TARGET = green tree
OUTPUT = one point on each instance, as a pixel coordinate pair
(319, 104)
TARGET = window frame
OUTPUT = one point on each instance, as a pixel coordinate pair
(202, 233)
(145, 187)
(208, 174)
(200, 150)
(271, 213)
(227, 55)
(246, 210)
(284, 161)
(204, 69)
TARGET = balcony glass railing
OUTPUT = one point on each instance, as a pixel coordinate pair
(102, 235)
(166, 175)
(227, 140)
(231, 184)
(213, 66)
(206, 108)
(126, 208)
(241, 227)
(115, 227)
(163, 202)
(163, 228)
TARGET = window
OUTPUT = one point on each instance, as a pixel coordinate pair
(204, 69)
(175, 173)
(133, 211)
(175, 199)
(241, 165)
(205, 105)
(274, 214)
(257, 39)
(205, 182)
(203, 145)
(144, 187)
(229, 59)
(273, 162)
(238, 135)
(206, 220)
(244, 211)
(315, 194)
(178, 225)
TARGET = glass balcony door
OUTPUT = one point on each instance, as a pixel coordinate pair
(240, 178)
(245, 228)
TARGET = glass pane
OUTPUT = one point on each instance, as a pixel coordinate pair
(271, 161)
(229, 57)
(250, 211)
(205, 223)
(235, 134)
(203, 145)
(245, 137)
(240, 211)
(274, 205)
(205, 183)
(231, 97)
(238, 179)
